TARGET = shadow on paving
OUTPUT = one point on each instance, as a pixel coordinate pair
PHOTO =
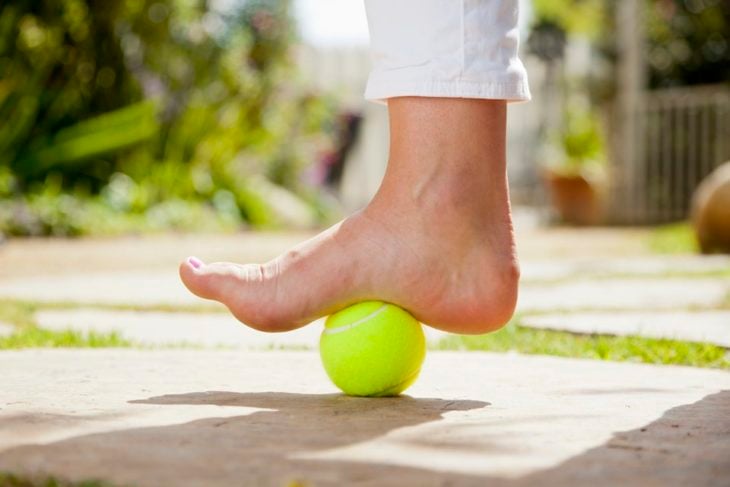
(688, 445)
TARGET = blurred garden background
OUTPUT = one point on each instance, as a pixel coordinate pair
(135, 133)
(234, 129)
(136, 116)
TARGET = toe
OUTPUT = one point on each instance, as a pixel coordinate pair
(218, 280)
(192, 272)
(243, 289)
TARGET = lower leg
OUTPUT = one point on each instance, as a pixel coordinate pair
(447, 167)
(436, 239)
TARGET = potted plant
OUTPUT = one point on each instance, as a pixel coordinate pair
(574, 168)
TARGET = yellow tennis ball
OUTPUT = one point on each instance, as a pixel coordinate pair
(372, 349)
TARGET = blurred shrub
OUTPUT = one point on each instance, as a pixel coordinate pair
(688, 42)
(584, 17)
(578, 148)
(582, 138)
(152, 114)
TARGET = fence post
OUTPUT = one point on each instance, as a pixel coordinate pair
(631, 83)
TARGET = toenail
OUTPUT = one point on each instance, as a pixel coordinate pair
(195, 262)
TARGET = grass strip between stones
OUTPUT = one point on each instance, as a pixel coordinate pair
(11, 480)
(607, 276)
(512, 338)
(34, 337)
(674, 238)
(12, 310)
(28, 334)
(533, 341)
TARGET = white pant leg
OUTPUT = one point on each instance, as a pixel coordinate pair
(445, 48)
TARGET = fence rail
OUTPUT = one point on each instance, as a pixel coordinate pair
(681, 136)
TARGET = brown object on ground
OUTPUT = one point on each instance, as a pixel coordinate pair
(575, 199)
(711, 211)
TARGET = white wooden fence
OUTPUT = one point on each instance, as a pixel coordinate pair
(681, 136)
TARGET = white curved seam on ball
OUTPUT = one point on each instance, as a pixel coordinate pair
(340, 329)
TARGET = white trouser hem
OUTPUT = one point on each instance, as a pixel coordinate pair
(445, 48)
(380, 90)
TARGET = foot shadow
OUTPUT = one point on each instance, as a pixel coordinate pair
(257, 449)
(688, 445)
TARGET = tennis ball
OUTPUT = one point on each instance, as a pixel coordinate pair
(372, 349)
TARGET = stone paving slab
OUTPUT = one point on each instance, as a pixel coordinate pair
(152, 287)
(700, 326)
(204, 329)
(639, 266)
(636, 294)
(23, 257)
(191, 418)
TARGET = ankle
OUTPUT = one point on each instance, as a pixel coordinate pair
(448, 201)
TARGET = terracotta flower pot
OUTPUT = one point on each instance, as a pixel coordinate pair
(575, 198)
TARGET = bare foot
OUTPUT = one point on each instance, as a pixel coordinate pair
(437, 238)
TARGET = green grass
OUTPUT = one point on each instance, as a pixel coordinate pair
(722, 272)
(33, 337)
(676, 238)
(11, 480)
(517, 338)
(18, 311)
(28, 335)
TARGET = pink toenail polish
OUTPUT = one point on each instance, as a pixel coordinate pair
(195, 262)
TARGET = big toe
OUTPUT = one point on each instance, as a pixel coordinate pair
(217, 280)
(241, 287)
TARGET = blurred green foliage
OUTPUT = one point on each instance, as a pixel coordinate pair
(688, 42)
(134, 115)
(579, 147)
(582, 138)
(582, 17)
(675, 238)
